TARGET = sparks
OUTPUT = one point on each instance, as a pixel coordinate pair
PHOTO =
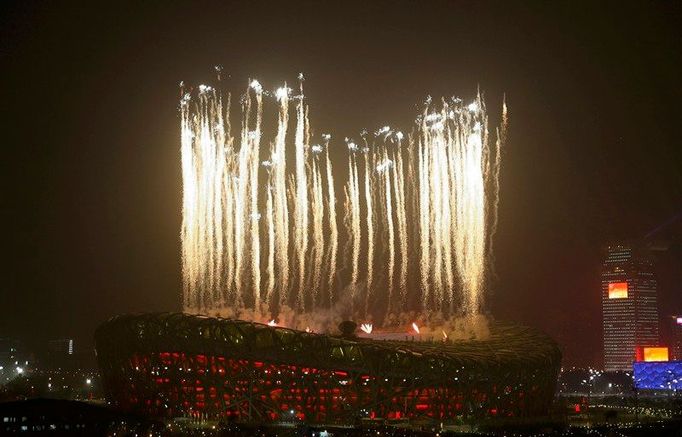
(366, 328)
(259, 219)
(282, 93)
(384, 165)
(256, 86)
(415, 327)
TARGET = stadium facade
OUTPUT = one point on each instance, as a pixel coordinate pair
(173, 364)
(658, 375)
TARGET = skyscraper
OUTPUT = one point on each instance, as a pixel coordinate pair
(676, 338)
(629, 307)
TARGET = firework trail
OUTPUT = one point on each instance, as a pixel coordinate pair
(254, 138)
(281, 209)
(399, 188)
(385, 168)
(271, 246)
(495, 201)
(318, 245)
(445, 177)
(369, 224)
(189, 199)
(333, 229)
(301, 204)
(354, 221)
(424, 214)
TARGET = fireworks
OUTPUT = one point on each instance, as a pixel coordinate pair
(261, 233)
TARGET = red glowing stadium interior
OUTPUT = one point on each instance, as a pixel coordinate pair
(284, 392)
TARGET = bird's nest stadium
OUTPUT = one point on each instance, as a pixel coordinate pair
(174, 364)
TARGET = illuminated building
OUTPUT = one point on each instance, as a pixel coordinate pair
(62, 346)
(658, 375)
(171, 365)
(676, 338)
(61, 354)
(629, 308)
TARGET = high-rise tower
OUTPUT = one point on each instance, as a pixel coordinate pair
(629, 307)
(676, 337)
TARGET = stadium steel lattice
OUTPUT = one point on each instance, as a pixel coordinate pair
(172, 364)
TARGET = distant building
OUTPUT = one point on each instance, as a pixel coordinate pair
(629, 306)
(676, 338)
(62, 354)
(61, 346)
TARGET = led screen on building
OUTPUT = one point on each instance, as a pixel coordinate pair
(618, 290)
(655, 354)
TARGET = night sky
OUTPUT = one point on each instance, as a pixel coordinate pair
(90, 137)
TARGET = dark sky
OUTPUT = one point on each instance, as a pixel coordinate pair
(90, 136)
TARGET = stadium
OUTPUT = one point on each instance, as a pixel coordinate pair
(173, 364)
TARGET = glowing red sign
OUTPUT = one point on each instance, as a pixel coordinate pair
(618, 290)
